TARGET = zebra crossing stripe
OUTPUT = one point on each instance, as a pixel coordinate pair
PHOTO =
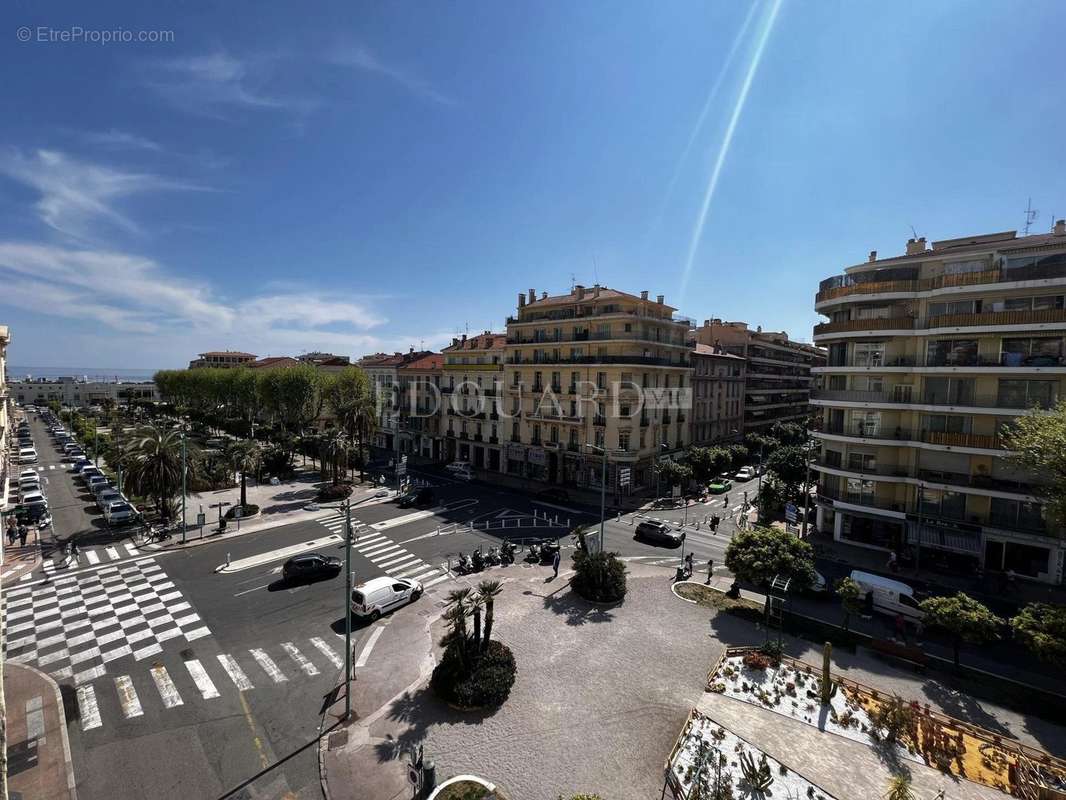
(268, 665)
(327, 651)
(378, 549)
(299, 658)
(90, 711)
(112, 552)
(236, 674)
(415, 575)
(167, 690)
(435, 581)
(366, 541)
(132, 549)
(390, 559)
(127, 696)
(406, 565)
(201, 678)
(92, 556)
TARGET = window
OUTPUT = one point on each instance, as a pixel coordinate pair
(961, 267)
(869, 383)
(623, 440)
(860, 491)
(598, 437)
(952, 352)
(1032, 352)
(1024, 394)
(601, 380)
(956, 307)
(1016, 514)
(946, 423)
(949, 391)
(869, 354)
(862, 462)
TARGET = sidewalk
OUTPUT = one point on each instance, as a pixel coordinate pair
(19, 561)
(38, 751)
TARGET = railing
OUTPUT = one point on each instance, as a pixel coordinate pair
(1035, 272)
(995, 318)
(902, 436)
(598, 420)
(630, 336)
(614, 359)
(861, 499)
(571, 313)
(895, 323)
(918, 398)
(929, 476)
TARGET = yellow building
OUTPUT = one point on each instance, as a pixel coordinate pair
(931, 353)
(471, 380)
(419, 401)
(594, 367)
(5, 417)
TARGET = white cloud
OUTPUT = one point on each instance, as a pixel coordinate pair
(74, 194)
(361, 58)
(121, 140)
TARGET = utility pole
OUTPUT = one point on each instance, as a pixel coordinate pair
(96, 443)
(183, 488)
(806, 493)
(347, 608)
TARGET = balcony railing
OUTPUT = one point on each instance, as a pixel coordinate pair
(931, 399)
(901, 435)
(612, 359)
(1036, 317)
(930, 476)
(630, 336)
(860, 499)
(896, 323)
(996, 275)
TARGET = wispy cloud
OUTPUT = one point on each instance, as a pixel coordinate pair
(121, 140)
(75, 194)
(361, 58)
(213, 83)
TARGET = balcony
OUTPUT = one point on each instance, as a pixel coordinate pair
(847, 326)
(1038, 317)
(858, 499)
(464, 435)
(599, 421)
(901, 436)
(573, 447)
(916, 398)
(516, 439)
(905, 280)
(907, 472)
(477, 437)
(652, 361)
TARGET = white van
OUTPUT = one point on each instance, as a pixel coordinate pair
(463, 473)
(375, 597)
(889, 596)
(27, 455)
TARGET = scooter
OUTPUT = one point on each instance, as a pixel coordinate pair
(533, 555)
(507, 553)
(493, 557)
(477, 560)
(462, 566)
(548, 549)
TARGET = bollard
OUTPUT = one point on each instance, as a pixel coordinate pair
(619, 517)
(227, 560)
(471, 526)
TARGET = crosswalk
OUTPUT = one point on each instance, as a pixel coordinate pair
(163, 688)
(392, 559)
(89, 557)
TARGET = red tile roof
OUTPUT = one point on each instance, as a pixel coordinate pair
(275, 361)
(483, 341)
(432, 361)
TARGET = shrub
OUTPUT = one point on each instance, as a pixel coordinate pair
(600, 577)
(334, 491)
(250, 510)
(277, 461)
(756, 660)
(484, 679)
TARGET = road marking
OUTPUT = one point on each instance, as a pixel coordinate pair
(436, 581)
(201, 678)
(167, 690)
(132, 549)
(367, 541)
(558, 508)
(299, 658)
(236, 674)
(278, 555)
(393, 558)
(415, 575)
(268, 665)
(327, 651)
(92, 556)
(35, 719)
(402, 567)
(365, 654)
(406, 519)
(253, 589)
(378, 549)
(127, 696)
(90, 712)
(112, 552)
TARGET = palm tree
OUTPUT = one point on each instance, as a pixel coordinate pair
(364, 421)
(488, 591)
(475, 604)
(155, 466)
(899, 788)
(334, 444)
(243, 455)
(455, 616)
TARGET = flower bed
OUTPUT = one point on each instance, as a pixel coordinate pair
(857, 712)
(704, 746)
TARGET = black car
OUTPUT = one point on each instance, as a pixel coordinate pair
(560, 495)
(421, 497)
(311, 565)
(659, 533)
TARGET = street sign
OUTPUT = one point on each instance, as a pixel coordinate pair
(238, 512)
(201, 519)
(791, 512)
(624, 476)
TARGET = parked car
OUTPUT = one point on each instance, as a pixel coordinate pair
(309, 566)
(372, 599)
(656, 532)
(720, 486)
(420, 497)
(745, 474)
(107, 497)
(29, 484)
(90, 472)
(99, 486)
(119, 512)
(27, 455)
(81, 464)
(29, 473)
(554, 494)
(32, 499)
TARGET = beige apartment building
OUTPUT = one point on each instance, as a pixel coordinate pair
(382, 370)
(471, 382)
(223, 359)
(717, 396)
(5, 416)
(594, 367)
(419, 403)
(931, 354)
(777, 384)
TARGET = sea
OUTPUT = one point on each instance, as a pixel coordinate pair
(17, 372)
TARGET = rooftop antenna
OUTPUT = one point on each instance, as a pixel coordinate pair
(573, 281)
(914, 232)
(1030, 215)
(595, 270)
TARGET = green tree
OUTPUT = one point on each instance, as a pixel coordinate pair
(243, 456)
(758, 555)
(738, 454)
(850, 594)
(155, 466)
(1038, 443)
(1042, 628)
(672, 473)
(772, 498)
(789, 464)
(965, 619)
(788, 434)
(899, 788)
(706, 463)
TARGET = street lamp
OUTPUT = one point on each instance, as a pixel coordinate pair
(603, 490)
(347, 508)
(658, 477)
(183, 527)
(811, 446)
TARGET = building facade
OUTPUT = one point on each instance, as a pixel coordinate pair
(419, 399)
(382, 370)
(931, 354)
(594, 367)
(223, 359)
(6, 419)
(471, 383)
(69, 391)
(717, 396)
(777, 386)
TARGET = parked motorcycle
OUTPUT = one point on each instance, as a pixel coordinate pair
(507, 553)
(477, 560)
(493, 557)
(548, 549)
(462, 566)
(533, 554)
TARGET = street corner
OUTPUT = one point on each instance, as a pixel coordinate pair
(39, 760)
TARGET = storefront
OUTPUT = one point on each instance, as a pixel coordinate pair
(1026, 555)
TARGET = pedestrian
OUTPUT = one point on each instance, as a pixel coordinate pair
(74, 551)
(710, 569)
(714, 523)
(555, 563)
(11, 535)
(725, 502)
(892, 561)
(688, 564)
(23, 535)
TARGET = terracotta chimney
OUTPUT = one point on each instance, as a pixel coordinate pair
(660, 298)
(579, 292)
(521, 300)
(1060, 227)
(873, 256)
(532, 296)
(644, 295)
(916, 247)
(596, 290)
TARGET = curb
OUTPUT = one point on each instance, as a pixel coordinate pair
(459, 779)
(71, 784)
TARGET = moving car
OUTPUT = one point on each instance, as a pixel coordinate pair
(466, 474)
(658, 533)
(720, 486)
(745, 474)
(311, 565)
(419, 497)
(119, 512)
(888, 596)
(372, 599)
(457, 465)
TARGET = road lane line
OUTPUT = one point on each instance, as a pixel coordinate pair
(365, 654)
(402, 567)
(167, 690)
(268, 665)
(280, 554)
(393, 558)
(299, 658)
(253, 589)
(406, 519)
(236, 674)
(328, 652)
(201, 678)
(92, 557)
(127, 697)
(90, 712)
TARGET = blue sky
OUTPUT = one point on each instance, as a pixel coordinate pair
(381, 175)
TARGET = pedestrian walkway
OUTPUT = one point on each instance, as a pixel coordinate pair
(60, 561)
(392, 559)
(38, 753)
(20, 561)
(179, 679)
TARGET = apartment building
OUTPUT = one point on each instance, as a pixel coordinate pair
(382, 371)
(931, 354)
(595, 367)
(223, 359)
(70, 391)
(5, 415)
(717, 395)
(471, 382)
(419, 403)
(777, 385)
